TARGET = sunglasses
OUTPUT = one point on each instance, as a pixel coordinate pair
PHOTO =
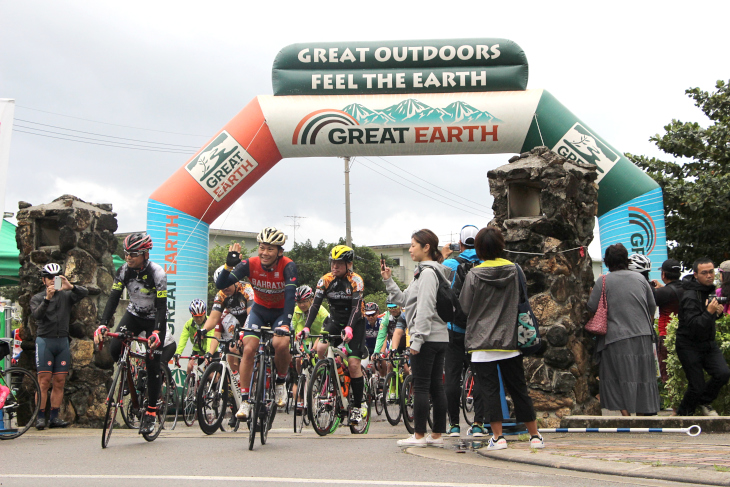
(133, 254)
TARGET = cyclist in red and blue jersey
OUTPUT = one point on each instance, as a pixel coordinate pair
(274, 281)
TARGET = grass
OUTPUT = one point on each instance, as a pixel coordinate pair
(720, 468)
(523, 437)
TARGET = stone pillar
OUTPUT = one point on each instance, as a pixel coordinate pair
(80, 237)
(546, 208)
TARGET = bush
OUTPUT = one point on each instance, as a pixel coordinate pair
(676, 384)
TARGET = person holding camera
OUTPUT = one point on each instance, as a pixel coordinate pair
(51, 310)
(697, 349)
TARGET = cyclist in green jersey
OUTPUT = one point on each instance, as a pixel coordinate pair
(198, 310)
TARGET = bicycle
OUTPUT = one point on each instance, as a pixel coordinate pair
(190, 389)
(21, 405)
(375, 382)
(393, 387)
(124, 383)
(218, 395)
(467, 396)
(301, 402)
(407, 399)
(330, 395)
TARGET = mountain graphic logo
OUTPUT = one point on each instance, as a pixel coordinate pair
(212, 156)
(644, 240)
(309, 126)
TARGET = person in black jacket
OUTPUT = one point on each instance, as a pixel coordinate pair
(696, 346)
(667, 299)
(51, 310)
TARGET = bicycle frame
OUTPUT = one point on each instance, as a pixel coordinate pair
(332, 353)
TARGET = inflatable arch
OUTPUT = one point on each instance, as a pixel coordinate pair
(465, 96)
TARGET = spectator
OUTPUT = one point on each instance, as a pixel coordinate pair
(429, 336)
(724, 289)
(625, 354)
(51, 309)
(667, 299)
(490, 297)
(457, 358)
(696, 346)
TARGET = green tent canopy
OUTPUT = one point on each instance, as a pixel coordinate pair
(9, 264)
(118, 261)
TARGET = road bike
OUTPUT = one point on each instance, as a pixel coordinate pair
(375, 382)
(330, 395)
(407, 398)
(125, 384)
(393, 387)
(190, 388)
(218, 395)
(20, 407)
(300, 401)
(467, 396)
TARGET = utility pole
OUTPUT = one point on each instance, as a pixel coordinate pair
(348, 223)
(294, 224)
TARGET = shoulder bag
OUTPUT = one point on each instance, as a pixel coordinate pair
(528, 329)
(599, 322)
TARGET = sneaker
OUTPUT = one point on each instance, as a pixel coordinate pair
(431, 441)
(57, 423)
(477, 430)
(707, 410)
(498, 444)
(537, 442)
(357, 415)
(412, 441)
(40, 423)
(244, 410)
(281, 395)
(454, 431)
(232, 421)
(147, 425)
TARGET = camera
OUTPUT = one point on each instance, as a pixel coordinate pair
(721, 299)
(454, 246)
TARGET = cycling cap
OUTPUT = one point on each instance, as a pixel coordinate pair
(468, 235)
(303, 293)
(51, 270)
(271, 236)
(198, 307)
(137, 242)
(371, 308)
(342, 252)
(639, 263)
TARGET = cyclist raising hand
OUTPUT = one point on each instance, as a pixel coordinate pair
(344, 291)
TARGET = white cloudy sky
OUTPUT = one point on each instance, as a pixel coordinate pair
(178, 71)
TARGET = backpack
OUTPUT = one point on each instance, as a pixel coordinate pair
(461, 271)
(463, 268)
(446, 302)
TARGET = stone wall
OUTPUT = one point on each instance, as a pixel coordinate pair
(550, 243)
(80, 237)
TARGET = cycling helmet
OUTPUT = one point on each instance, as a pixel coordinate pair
(231, 277)
(271, 236)
(639, 263)
(51, 270)
(198, 307)
(371, 308)
(303, 293)
(342, 252)
(137, 242)
(217, 273)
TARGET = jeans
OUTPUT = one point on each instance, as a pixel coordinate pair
(428, 372)
(694, 359)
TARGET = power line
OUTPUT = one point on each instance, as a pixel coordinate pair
(423, 194)
(107, 123)
(102, 135)
(97, 143)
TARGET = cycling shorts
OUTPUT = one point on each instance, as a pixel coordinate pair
(260, 317)
(52, 355)
(357, 344)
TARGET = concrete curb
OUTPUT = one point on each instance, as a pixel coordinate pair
(544, 458)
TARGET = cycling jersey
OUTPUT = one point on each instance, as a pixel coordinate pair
(237, 303)
(300, 319)
(226, 326)
(188, 333)
(388, 325)
(371, 333)
(147, 290)
(344, 295)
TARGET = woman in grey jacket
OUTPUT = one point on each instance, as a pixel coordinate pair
(429, 336)
(489, 298)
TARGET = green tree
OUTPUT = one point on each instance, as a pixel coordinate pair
(697, 185)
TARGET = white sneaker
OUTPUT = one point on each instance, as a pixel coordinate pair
(281, 395)
(708, 410)
(537, 442)
(498, 444)
(244, 410)
(431, 441)
(413, 441)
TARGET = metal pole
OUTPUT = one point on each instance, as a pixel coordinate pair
(348, 223)
(693, 430)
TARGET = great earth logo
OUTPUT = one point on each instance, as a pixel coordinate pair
(644, 239)
(579, 143)
(221, 165)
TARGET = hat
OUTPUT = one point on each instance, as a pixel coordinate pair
(671, 265)
(725, 266)
(468, 235)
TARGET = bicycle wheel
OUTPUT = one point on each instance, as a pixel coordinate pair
(174, 401)
(322, 398)
(269, 407)
(229, 422)
(391, 403)
(254, 420)
(363, 426)
(130, 395)
(376, 388)
(467, 396)
(113, 403)
(211, 398)
(300, 404)
(162, 401)
(406, 403)
(21, 407)
(189, 400)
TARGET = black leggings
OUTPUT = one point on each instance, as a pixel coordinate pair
(137, 325)
(428, 375)
(513, 378)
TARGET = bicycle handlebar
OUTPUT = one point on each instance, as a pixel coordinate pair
(123, 336)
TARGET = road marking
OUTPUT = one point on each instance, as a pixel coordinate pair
(209, 478)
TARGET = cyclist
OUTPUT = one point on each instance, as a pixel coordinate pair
(392, 330)
(198, 310)
(146, 283)
(274, 281)
(304, 297)
(372, 325)
(344, 291)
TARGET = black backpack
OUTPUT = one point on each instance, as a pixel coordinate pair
(446, 303)
(461, 271)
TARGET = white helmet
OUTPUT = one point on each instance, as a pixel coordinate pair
(271, 236)
(51, 270)
(639, 263)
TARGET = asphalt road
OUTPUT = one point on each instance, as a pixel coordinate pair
(186, 457)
